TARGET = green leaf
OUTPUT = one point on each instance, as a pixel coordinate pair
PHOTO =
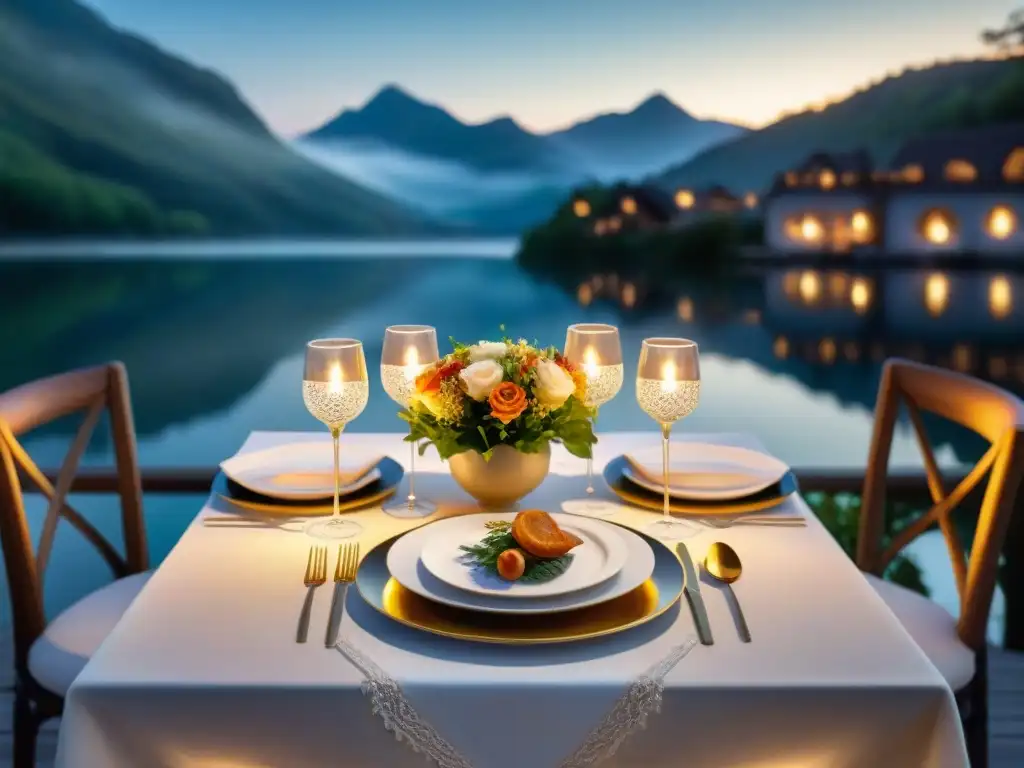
(539, 571)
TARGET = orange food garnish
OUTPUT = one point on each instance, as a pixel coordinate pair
(539, 534)
(511, 564)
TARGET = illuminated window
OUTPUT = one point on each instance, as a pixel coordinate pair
(1002, 222)
(827, 351)
(1013, 168)
(811, 229)
(936, 294)
(781, 347)
(837, 282)
(750, 200)
(960, 171)
(938, 227)
(860, 295)
(793, 229)
(862, 227)
(849, 178)
(1000, 297)
(628, 206)
(581, 208)
(827, 179)
(684, 198)
(810, 287)
(684, 309)
(791, 179)
(912, 174)
(600, 227)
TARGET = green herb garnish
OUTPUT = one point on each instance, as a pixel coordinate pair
(498, 539)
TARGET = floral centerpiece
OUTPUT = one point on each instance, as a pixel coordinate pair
(508, 393)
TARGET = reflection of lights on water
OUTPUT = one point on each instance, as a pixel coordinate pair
(851, 350)
(962, 358)
(998, 368)
(827, 351)
(628, 295)
(581, 208)
(810, 287)
(781, 347)
(936, 293)
(1001, 222)
(837, 285)
(1000, 297)
(684, 309)
(585, 295)
(860, 295)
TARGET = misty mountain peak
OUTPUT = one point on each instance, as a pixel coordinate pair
(392, 96)
(658, 104)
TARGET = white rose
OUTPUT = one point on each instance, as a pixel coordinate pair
(554, 385)
(487, 350)
(480, 378)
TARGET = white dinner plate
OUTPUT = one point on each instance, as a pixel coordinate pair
(601, 555)
(705, 471)
(405, 567)
(303, 470)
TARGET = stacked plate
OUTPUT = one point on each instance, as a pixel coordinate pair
(703, 478)
(297, 479)
(616, 579)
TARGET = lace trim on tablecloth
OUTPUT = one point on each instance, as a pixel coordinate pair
(629, 714)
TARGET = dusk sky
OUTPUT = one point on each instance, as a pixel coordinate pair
(548, 63)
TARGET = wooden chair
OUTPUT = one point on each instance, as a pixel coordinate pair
(49, 655)
(955, 647)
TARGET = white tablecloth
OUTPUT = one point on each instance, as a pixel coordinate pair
(203, 669)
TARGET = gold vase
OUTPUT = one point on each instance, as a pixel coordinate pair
(503, 480)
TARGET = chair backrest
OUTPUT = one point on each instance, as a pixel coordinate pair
(985, 409)
(32, 405)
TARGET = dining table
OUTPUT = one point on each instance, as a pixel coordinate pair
(203, 670)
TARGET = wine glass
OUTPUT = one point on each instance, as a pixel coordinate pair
(408, 349)
(668, 389)
(596, 350)
(335, 389)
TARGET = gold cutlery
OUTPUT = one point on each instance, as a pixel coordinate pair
(780, 521)
(344, 574)
(316, 575)
(723, 564)
(691, 588)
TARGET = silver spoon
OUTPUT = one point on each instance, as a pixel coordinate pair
(722, 563)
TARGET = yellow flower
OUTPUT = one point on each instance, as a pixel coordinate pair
(580, 380)
(452, 401)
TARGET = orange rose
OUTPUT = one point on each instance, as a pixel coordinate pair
(430, 380)
(507, 401)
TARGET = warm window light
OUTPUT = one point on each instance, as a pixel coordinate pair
(936, 294)
(827, 179)
(811, 229)
(585, 294)
(684, 309)
(1000, 297)
(810, 287)
(1002, 222)
(912, 174)
(791, 179)
(827, 351)
(960, 171)
(684, 198)
(860, 295)
(581, 208)
(860, 223)
(962, 358)
(837, 282)
(628, 206)
(781, 347)
(628, 295)
(793, 229)
(1013, 168)
(849, 178)
(750, 200)
(600, 227)
(937, 227)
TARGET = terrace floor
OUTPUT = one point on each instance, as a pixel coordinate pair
(1006, 713)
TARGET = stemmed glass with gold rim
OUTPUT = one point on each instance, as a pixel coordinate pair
(595, 349)
(408, 350)
(335, 390)
(668, 389)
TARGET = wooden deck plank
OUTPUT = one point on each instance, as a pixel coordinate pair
(1006, 713)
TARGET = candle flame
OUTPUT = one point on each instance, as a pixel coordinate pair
(590, 362)
(412, 357)
(334, 379)
(668, 376)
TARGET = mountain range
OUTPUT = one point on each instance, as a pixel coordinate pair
(102, 132)
(615, 145)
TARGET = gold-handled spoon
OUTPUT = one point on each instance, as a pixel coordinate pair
(723, 564)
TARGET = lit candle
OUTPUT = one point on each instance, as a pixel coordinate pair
(334, 380)
(668, 376)
(412, 364)
(590, 363)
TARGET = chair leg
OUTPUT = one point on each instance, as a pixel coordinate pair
(26, 730)
(976, 720)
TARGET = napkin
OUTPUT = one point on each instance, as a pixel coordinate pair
(316, 478)
(689, 475)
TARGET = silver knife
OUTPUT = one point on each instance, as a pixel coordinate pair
(337, 608)
(692, 589)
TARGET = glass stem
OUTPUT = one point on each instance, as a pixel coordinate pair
(412, 475)
(590, 476)
(335, 435)
(665, 430)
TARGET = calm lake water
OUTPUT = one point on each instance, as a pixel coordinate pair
(214, 343)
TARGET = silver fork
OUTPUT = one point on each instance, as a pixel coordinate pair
(344, 574)
(790, 521)
(316, 575)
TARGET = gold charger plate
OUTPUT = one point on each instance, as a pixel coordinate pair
(772, 496)
(391, 473)
(645, 603)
